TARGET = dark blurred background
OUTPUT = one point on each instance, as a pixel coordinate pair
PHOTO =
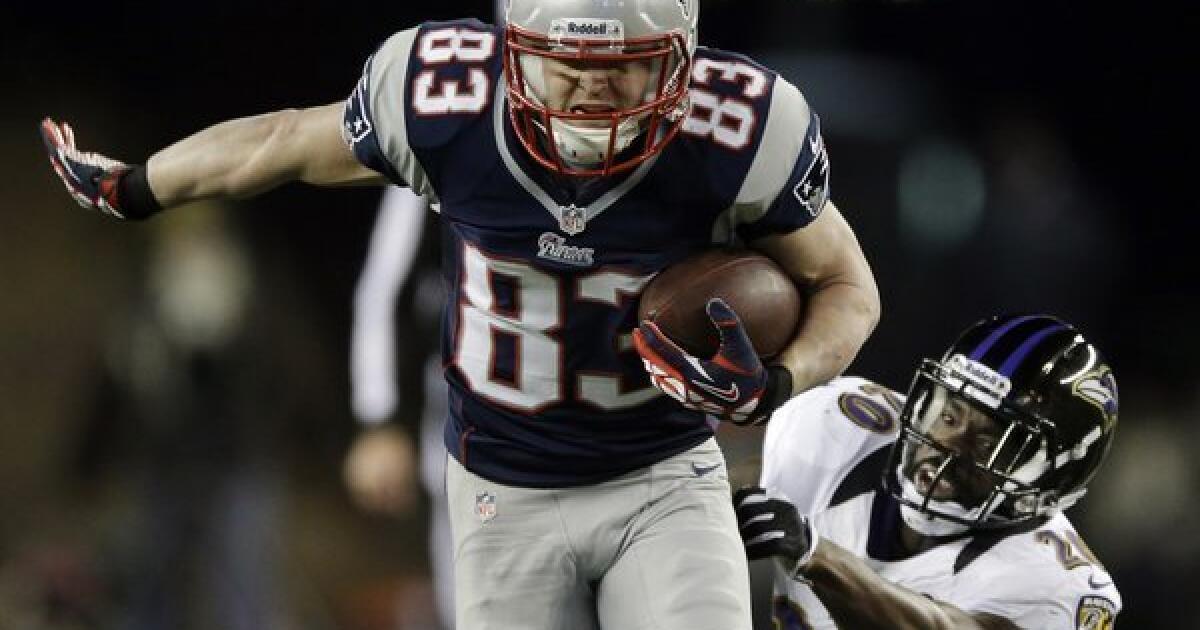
(164, 440)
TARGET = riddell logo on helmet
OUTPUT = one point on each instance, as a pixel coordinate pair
(584, 28)
(995, 382)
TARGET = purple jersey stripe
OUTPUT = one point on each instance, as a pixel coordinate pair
(991, 340)
(1014, 360)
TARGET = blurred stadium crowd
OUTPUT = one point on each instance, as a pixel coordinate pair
(174, 394)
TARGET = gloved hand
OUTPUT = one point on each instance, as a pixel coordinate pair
(771, 527)
(731, 385)
(92, 179)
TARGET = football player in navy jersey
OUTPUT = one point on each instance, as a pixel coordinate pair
(572, 155)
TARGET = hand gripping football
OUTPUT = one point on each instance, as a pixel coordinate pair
(765, 299)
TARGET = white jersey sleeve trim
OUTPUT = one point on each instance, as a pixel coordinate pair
(390, 255)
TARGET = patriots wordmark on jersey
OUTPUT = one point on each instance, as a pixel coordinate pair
(825, 452)
(545, 387)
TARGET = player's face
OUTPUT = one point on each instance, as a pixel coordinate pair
(596, 87)
(964, 430)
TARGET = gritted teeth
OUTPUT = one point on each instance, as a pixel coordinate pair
(924, 480)
(592, 109)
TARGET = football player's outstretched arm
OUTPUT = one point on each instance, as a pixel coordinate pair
(238, 158)
(857, 597)
(853, 593)
(247, 156)
(843, 301)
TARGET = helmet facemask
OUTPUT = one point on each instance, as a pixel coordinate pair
(989, 482)
(591, 105)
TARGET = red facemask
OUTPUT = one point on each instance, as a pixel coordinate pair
(599, 136)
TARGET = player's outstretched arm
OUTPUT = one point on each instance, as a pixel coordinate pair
(857, 597)
(843, 302)
(247, 156)
(238, 158)
(854, 594)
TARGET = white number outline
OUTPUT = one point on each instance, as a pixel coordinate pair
(624, 286)
(431, 97)
(504, 322)
(602, 389)
(709, 112)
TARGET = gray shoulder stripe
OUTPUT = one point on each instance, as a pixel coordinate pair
(389, 67)
(782, 141)
(788, 118)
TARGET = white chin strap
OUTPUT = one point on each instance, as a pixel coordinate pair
(927, 524)
(588, 146)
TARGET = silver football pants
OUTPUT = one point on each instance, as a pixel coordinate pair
(657, 548)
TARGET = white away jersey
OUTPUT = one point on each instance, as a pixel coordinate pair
(825, 450)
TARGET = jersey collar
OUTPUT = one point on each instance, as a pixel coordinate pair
(571, 218)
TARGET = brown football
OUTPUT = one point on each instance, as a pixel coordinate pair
(766, 300)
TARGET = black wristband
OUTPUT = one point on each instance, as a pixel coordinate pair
(136, 199)
(777, 392)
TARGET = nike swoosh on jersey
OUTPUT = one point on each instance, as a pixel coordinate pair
(703, 470)
(728, 395)
(1094, 584)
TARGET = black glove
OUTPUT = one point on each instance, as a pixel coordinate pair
(772, 527)
(95, 181)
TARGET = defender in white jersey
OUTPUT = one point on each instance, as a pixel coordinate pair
(942, 509)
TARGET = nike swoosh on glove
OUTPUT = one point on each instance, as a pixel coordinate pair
(92, 179)
(729, 385)
(771, 527)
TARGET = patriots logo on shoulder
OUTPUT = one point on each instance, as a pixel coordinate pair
(356, 123)
(1099, 389)
(812, 191)
(1095, 613)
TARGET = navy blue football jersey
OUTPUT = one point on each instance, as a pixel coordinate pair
(543, 274)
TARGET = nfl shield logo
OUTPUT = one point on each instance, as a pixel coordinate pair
(485, 506)
(572, 220)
